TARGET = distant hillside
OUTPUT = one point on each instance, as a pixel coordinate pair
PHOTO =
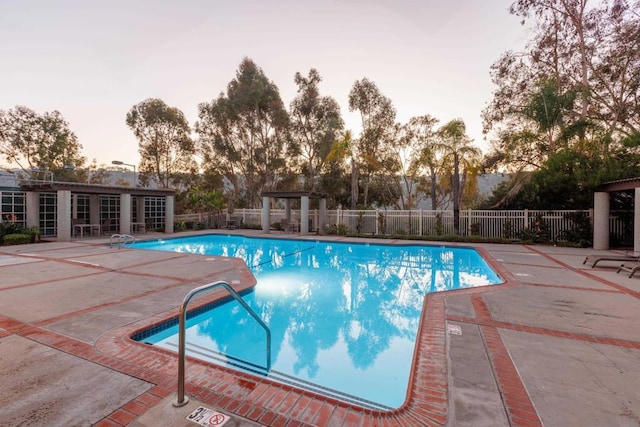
(486, 184)
(8, 179)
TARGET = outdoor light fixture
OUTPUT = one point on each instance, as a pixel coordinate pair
(120, 163)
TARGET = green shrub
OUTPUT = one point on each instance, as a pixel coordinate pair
(342, 229)
(507, 229)
(538, 231)
(16, 239)
(9, 226)
(475, 229)
(34, 233)
(360, 223)
(580, 233)
(439, 225)
(446, 238)
(382, 223)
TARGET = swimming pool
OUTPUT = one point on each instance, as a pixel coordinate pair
(343, 316)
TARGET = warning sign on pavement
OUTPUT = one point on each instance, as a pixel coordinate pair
(454, 330)
(207, 417)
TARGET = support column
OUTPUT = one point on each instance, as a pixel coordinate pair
(64, 216)
(33, 209)
(601, 220)
(304, 215)
(169, 213)
(125, 214)
(636, 221)
(322, 222)
(266, 213)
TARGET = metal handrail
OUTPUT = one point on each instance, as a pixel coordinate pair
(123, 239)
(182, 320)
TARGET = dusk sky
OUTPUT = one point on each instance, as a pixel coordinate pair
(93, 61)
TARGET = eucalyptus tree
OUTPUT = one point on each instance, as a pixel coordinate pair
(243, 134)
(39, 142)
(411, 158)
(378, 117)
(584, 59)
(455, 147)
(344, 150)
(424, 162)
(399, 178)
(561, 43)
(615, 70)
(335, 183)
(164, 142)
(316, 124)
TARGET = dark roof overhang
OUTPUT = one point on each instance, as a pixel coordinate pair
(619, 185)
(76, 187)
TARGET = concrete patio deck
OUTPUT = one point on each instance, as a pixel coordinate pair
(557, 345)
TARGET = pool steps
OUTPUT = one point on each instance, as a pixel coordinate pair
(121, 239)
(223, 359)
(182, 321)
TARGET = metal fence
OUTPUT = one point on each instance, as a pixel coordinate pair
(512, 224)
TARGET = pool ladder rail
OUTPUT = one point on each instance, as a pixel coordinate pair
(182, 320)
(121, 239)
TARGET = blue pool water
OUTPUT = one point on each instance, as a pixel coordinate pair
(343, 316)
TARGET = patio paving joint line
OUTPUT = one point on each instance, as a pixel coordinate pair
(584, 273)
(515, 397)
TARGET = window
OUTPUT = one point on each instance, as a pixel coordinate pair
(154, 212)
(48, 214)
(13, 207)
(80, 206)
(110, 209)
